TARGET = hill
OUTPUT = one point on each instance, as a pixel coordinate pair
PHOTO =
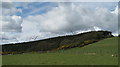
(56, 43)
(104, 52)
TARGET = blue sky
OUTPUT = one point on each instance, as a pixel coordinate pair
(35, 8)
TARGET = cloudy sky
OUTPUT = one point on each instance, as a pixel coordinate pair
(28, 21)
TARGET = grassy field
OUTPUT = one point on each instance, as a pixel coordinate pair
(99, 53)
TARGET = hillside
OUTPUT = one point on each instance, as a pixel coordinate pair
(99, 53)
(57, 43)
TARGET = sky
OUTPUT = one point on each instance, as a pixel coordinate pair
(29, 21)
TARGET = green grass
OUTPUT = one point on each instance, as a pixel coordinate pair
(99, 53)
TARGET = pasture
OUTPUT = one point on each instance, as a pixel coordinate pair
(104, 52)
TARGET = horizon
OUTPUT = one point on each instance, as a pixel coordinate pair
(56, 37)
(52, 19)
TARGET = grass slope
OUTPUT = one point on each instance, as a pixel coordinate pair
(99, 53)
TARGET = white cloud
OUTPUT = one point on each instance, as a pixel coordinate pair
(7, 8)
(10, 22)
(73, 17)
(116, 11)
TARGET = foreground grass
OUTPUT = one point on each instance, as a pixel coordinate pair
(99, 53)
